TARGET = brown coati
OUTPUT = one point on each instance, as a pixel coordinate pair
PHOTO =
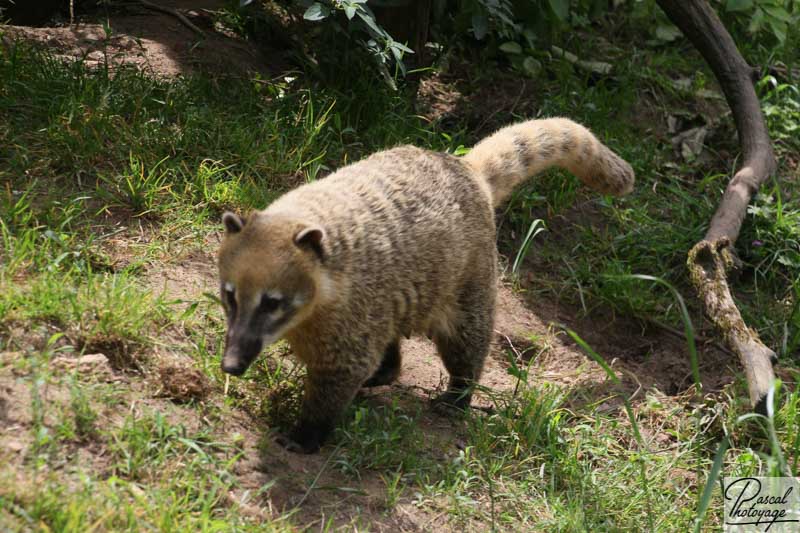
(400, 243)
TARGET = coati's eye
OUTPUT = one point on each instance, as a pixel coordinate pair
(269, 303)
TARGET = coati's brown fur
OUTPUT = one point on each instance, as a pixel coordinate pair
(400, 243)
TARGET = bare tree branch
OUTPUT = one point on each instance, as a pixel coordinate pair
(175, 13)
(710, 259)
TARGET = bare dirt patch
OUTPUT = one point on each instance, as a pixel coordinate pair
(184, 277)
(153, 41)
(447, 97)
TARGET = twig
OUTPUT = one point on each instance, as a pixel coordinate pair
(633, 377)
(511, 345)
(175, 13)
(699, 338)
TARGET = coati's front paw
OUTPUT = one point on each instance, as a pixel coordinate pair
(296, 447)
(304, 438)
(452, 400)
(381, 378)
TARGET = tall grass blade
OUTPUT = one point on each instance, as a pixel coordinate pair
(613, 377)
(536, 227)
(708, 490)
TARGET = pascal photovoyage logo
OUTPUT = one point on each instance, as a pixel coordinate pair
(761, 504)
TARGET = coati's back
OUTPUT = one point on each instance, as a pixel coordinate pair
(402, 227)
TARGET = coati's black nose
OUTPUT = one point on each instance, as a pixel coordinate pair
(236, 369)
(239, 355)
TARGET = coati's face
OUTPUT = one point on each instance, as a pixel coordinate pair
(269, 282)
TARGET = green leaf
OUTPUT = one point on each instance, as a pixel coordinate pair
(687, 324)
(708, 490)
(511, 47)
(480, 25)
(367, 18)
(738, 5)
(531, 67)
(350, 11)
(316, 12)
(756, 21)
(530, 37)
(777, 13)
(402, 47)
(667, 32)
(537, 226)
(560, 8)
(779, 29)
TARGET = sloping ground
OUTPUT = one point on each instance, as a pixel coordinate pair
(316, 489)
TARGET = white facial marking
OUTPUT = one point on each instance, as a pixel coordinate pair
(229, 286)
(277, 295)
(326, 287)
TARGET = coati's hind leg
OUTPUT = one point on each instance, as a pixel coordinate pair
(464, 346)
(389, 369)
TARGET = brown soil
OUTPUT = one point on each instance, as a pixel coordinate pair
(155, 42)
(484, 106)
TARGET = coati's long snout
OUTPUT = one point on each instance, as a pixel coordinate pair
(241, 350)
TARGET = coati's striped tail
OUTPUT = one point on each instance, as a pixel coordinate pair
(515, 153)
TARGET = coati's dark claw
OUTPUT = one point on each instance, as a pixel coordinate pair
(305, 438)
(296, 447)
(452, 400)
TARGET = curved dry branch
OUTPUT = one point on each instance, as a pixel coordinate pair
(710, 259)
(175, 13)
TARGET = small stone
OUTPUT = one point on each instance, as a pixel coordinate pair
(93, 360)
(93, 363)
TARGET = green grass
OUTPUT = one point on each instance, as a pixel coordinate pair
(107, 178)
(161, 478)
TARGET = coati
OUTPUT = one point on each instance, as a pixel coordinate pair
(400, 243)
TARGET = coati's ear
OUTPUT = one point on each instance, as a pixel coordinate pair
(233, 222)
(311, 237)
